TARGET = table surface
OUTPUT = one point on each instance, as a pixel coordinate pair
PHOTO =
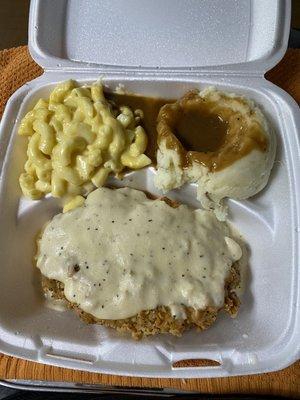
(284, 383)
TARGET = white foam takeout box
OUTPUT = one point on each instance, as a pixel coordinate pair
(159, 48)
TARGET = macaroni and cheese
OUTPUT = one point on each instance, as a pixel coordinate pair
(75, 141)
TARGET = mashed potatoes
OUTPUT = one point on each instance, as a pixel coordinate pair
(237, 165)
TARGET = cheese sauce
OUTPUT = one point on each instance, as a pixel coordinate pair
(121, 253)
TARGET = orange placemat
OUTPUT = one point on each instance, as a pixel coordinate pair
(16, 68)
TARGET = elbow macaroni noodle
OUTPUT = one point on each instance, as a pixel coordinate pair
(75, 141)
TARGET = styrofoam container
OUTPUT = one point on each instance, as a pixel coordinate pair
(160, 48)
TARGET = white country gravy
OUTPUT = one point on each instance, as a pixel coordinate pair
(121, 253)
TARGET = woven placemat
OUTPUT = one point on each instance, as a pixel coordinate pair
(16, 68)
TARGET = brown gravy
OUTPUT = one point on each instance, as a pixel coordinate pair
(199, 130)
(204, 132)
(193, 121)
(150, 107)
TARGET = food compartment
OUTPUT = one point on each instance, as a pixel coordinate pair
(265, 320)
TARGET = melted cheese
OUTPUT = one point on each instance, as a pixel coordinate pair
(121, 253)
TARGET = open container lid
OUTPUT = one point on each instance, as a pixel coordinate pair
(238, 36)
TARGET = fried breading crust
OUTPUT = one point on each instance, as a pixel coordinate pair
(160, 319)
